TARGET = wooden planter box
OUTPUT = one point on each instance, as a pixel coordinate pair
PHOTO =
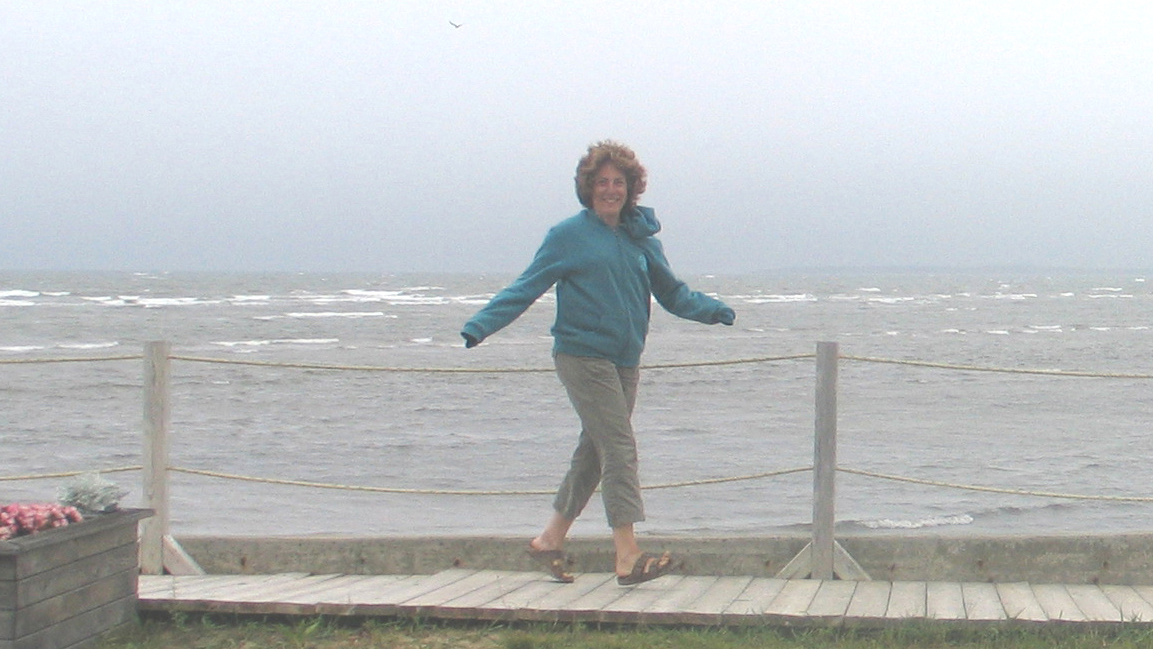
(61, 588)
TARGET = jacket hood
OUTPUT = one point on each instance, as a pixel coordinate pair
(641, 222)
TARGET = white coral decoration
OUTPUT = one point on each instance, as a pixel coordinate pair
(92, 494)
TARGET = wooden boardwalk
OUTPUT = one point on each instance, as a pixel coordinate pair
(495, 595)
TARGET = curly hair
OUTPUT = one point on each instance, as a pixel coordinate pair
(623, 158)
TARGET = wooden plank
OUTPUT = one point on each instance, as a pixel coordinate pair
(870, 600)
(1093, 603)
(1057, 603)
(66, 547)
(176, 560)
(372, 596)
(629, 606)
(378, 588)
(906, 600)
(304, 597)
(387, 600)
(430, 599)
(1128, 600)
(81, 628)
(944, 601)
(553, 603)
(335, 590)
(691, 600)
(236, 589)
(669, 607)
(173, 588)
(486, 602)
(282, 592)
(150, 584)
(1020, 603)
(52, 611)
(709, 608)
(522, 601)
(587, 607)
(982, 602)
(252, 598)
(71, 576)
(831, 600)
(794, 598)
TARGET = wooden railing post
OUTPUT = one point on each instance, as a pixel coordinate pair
(825, 461)
(157, 376)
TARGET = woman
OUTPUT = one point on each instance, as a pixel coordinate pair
(605, 263)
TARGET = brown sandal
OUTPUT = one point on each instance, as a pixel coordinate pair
(554, 562)
(647, 567)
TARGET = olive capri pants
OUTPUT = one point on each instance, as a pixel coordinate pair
(603, 395)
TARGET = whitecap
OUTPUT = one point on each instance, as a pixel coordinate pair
(932, 521)
(333, 314)
(87, 345)
(780, 299)
(1014, 296)
(16, 303)
(870, 289)
(19, 293)
(251, 298)
(21, 348)
(998, 332)
(277, 341)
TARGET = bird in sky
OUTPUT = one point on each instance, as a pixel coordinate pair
(457, 25)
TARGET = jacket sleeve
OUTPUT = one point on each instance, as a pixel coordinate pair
(676, 297)
(517, 297)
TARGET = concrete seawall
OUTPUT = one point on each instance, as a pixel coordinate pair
(1106, 559)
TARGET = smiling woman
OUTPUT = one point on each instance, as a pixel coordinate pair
(607, 265)
(608, 179)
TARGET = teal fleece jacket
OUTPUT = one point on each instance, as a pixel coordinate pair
(603, 279)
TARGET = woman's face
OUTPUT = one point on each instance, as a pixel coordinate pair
(610, 189)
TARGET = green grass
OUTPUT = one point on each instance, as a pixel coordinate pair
(228, 632)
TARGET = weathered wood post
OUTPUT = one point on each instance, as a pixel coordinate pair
(157, 375)
(825, 461)
(823, 557)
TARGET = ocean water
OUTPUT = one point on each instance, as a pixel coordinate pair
(515, 430)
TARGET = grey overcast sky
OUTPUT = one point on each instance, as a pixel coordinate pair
(376, 136)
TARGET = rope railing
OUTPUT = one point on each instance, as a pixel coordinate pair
(653, 366)
(1003, 370)
(158, 356)
(996, 490)
(473, 492)
(546, 492)
(67, 474)
(75, 359)
(473, 370)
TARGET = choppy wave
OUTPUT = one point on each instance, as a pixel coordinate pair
(88, 345)
(19, 293)
(278, 341)
(932, 521)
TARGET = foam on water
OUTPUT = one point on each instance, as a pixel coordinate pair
(415, 430)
